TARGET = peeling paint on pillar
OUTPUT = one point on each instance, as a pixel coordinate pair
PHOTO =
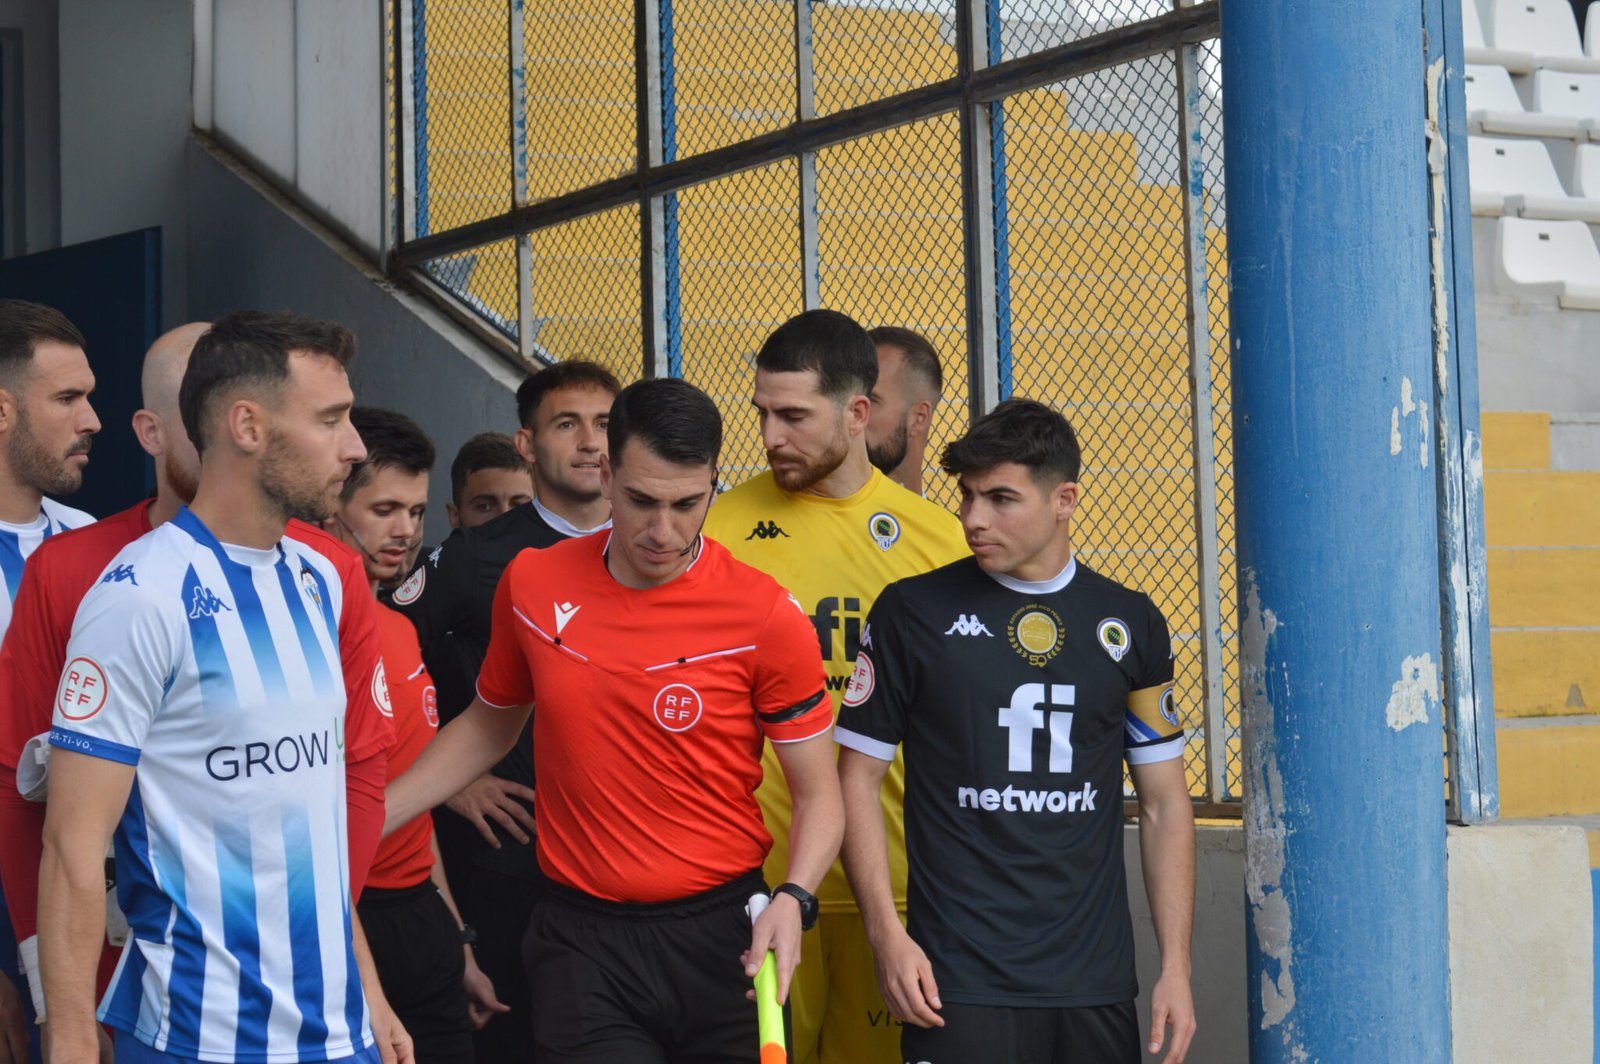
(1412, 694)
(1265, 835)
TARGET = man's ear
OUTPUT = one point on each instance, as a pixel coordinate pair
(522, 439)
(1067, 494)
(248, 425)
(921, 417)
(8, 410)
(857, 409)
(605, 476)
(149, 431)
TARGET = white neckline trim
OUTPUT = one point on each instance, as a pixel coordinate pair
(562, 525)
(38, 524)
(1039, 587)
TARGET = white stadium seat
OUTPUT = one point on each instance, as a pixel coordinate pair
(1548, 258)
(1512, 176)
(1586, 171)
(1476, 45)
(1493, 106)
(1544, 27)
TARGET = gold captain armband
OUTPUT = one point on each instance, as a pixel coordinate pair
(1157, 709)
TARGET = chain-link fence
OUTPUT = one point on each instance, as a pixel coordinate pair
(657, 185)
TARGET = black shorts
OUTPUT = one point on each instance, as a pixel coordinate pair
(1092, 1034)
(642, 984)
(417, 948)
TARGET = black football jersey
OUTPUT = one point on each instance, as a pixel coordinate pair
(449, 597)
(1017, 705)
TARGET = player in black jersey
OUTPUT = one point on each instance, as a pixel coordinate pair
(485, 836)
(1019, 680)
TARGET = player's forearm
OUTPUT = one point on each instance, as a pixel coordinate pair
(465, 749)
(1167, 855)
(818, 825)
(866, 845)
(72, 925)
(21, 843)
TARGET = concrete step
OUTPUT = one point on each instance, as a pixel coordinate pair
(1542, 673)
(1548, 768)
(1544, 588)
(1542, 509)
(1589, 824)
(1516, 440)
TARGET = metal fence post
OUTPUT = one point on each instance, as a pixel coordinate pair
(1469, 694)
(658, 267)
(1192, 173)
(978, 157)
(806, 106)
(1333, 344)
(517, 87)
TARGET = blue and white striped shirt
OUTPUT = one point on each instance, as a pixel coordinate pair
(215, 670)
(19, 541)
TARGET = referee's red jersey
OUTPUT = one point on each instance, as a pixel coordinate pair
(405, 857)
(652, 706)
(54, 582)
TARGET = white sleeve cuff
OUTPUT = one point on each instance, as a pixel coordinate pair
(1165, 750)
(28, 961)
(863, 744)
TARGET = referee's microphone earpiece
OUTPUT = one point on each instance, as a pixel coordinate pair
(360, 543)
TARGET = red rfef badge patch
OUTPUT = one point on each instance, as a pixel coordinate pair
(82, 693)
(430, 705)
(677, 707)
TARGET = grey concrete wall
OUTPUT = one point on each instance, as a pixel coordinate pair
(248, 247)
(1532, 354)
(1218, 954)
(124, 92)
(34, 21)
(1521, 944)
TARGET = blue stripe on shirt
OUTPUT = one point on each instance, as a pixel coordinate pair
(304, 937)
(242, 936)
(316, 661)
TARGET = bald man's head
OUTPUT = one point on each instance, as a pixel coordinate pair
(163, 370)
(159, 425)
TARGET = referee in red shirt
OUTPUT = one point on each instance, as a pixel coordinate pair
(659, 665)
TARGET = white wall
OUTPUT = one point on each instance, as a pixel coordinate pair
(297, 88)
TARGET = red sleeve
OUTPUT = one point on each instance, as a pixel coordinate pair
(363, 783)
(21, 848)
(505, 679)
(366, 716)
(790, 687)
(31, 657)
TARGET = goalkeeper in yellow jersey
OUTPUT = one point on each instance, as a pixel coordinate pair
(835, 532)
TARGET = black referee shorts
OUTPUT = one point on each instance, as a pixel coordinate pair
(1093, 1034)
(642, 984)
(417, 948)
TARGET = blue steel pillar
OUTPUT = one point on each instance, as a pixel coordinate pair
(1336, 503)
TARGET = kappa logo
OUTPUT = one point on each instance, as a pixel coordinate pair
(119, 573)
(766, 530)
(565, 611)
(968, 624)
(206, 604)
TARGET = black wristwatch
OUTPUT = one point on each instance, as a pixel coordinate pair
(807, 900)
(469, 935)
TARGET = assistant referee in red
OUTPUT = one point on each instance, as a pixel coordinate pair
(659, 665)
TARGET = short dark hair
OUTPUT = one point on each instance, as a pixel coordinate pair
(392, 440)
(23, 326)
(486, 450)
(831, 343)
(921, 358)
(1023, 431)
(250, 349)
(577, 373)
(674, 419)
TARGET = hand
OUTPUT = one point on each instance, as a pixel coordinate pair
(481, 1001)
(778, 930)
(1172, 1004)
(13, 1025)
(394, 1043)
(906, 979)
(491, 798)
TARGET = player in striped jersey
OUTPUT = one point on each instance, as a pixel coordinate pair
(207, 656)
(58, 576)
(45, 426)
